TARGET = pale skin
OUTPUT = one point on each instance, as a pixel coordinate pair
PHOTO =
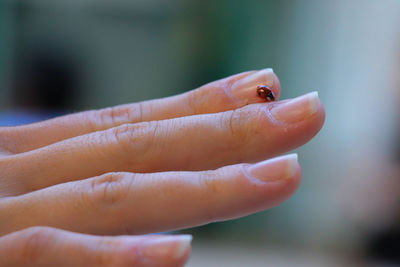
(79, 190)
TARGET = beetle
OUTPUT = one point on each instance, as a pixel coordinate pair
(266, 93)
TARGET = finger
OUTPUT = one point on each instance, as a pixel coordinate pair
(145, 203)
(44, 246)
(226, 94)
(249, 134)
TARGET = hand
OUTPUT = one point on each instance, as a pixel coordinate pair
(148, 167)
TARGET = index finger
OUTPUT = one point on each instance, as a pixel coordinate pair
(222, 95)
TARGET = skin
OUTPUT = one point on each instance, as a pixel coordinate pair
(142, 168)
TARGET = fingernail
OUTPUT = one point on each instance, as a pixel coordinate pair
(296, 109)
(165, 249)
(275, 169)
(246, 89)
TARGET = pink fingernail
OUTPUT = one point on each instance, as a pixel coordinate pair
(275, 169)
(165, 249)
(296, 109)
(246, 89)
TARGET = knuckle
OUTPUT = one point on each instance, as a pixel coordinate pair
(194, 101)
(104, 257)
(136, 138)
(110, 189)
(246, 127)
(220, 189)
(198, 100)
(121, 135)
(35, 242)
(213, 188)
(238, 128)
(209, 182)
(114, 116)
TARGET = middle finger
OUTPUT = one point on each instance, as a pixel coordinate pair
(198, 142)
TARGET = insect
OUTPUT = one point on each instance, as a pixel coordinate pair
(265, 92)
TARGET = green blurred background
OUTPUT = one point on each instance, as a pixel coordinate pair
(64, 56)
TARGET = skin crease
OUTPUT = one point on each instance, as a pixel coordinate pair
(147, 167)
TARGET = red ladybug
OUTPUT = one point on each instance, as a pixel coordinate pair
(266, 93)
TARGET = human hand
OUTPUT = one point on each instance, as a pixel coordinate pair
(148, 167)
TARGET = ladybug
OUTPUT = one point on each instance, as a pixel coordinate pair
(266, 93)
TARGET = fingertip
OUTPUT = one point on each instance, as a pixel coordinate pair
(321, 113)
(303, 115)
(275, 169)
(231, 92)
(316, 121)
(295, 180)
(166, 250)
(317, 107)
(183, 247)
(274, 180)
(244, 90)
(276, 88)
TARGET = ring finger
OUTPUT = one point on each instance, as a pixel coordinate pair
(116, 203)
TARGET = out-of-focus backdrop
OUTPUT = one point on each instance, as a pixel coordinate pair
(64, 56)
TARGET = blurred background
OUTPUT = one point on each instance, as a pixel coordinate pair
(59, 56)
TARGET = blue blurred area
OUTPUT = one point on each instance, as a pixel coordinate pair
(19, 117)
(10, 118)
